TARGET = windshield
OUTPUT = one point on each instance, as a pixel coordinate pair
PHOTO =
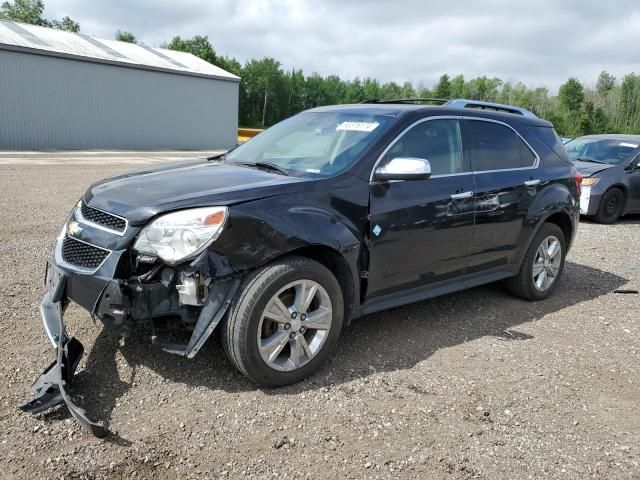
(317, 144)
(597, 150)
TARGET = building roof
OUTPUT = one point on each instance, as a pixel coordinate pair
(58, 43)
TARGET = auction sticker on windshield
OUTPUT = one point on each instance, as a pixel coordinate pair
(358, 126)
(632, 145)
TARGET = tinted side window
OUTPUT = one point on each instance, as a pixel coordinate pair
(438, 141)
(527, 157)
(550, 138)
(494, 146)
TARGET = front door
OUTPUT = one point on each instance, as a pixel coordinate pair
(421, 230)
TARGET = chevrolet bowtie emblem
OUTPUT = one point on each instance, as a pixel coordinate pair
(73, 228)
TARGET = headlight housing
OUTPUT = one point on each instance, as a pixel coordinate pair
(588, 181)
(179, 235)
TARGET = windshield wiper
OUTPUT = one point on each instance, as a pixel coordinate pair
(219, 158)
(265, 166)
(593, 160)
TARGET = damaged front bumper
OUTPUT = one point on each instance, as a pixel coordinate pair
(118, 304)
(50, 388)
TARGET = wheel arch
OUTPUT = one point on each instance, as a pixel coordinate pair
(560, 217)
(562, 220)
(338, 265)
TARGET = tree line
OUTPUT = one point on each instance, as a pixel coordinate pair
(269, 93)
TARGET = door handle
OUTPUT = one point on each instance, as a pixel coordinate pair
(460, 196)
(532, 183)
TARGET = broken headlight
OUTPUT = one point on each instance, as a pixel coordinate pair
(179, 235)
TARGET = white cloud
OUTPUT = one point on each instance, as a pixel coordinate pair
(540, 42)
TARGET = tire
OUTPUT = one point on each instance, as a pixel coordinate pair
(611, 206)
(248, 334)
(525, 284)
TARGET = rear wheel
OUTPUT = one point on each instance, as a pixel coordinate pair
(542, 265)
(285, 322)
(610, 207)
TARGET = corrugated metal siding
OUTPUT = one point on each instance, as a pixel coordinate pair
(55, 103)
(54, 42)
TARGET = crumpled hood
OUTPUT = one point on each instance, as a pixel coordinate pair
(588, 169)
(142, 194)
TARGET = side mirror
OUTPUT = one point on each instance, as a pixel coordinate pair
(404, 168)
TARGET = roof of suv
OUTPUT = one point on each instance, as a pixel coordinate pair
(402, 109)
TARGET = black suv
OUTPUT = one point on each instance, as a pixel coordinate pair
(330, 215)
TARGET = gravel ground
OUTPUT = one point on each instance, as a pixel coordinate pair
(476, 384)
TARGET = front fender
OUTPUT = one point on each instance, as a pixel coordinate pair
(260, 231)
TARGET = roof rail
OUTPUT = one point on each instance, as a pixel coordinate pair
(500, 107)
(440, 101)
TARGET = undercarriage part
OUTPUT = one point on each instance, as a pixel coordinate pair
(113, 310)
(189, 289)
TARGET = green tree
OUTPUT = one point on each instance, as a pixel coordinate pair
(198, 46)
(390, 91)
(600, 122)
(66, 24)
(407, 90)
(124, 36)
(586, 118)
(605, 83)
(484, 88)
(264, 82)
(571, 95)
(630, 103)
(458, 88)
(443, 87)
(370, 89)
(25, 11)
(30, 11)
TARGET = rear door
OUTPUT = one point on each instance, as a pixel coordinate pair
(507, 180)
(421, 229)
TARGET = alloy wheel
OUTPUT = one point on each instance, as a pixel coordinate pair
(294, 325)
(546, 263)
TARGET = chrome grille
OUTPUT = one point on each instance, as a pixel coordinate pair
(104, 219)
(81, 254)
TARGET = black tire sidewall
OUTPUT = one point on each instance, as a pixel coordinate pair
(601, 217)
(251, 312)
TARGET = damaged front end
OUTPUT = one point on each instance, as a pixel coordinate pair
(95, 266)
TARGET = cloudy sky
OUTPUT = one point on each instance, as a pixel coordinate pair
(541, 42)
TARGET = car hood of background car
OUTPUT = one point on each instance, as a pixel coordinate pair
(142, 194)
(587, 169)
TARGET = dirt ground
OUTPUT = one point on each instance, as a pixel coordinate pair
(476, 384)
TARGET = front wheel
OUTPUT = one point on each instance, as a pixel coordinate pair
(285, 322)
(610, 207)
(542, 265)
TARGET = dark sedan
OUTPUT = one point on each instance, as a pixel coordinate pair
(610, 167)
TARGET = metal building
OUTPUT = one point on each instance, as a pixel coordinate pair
(61, 90)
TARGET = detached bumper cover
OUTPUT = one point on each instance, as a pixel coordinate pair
(50, 388)
(100, 293)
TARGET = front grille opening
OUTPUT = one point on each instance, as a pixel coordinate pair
(103, 218)
(81, 254)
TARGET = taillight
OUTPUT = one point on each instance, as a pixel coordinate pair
(578, 178)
